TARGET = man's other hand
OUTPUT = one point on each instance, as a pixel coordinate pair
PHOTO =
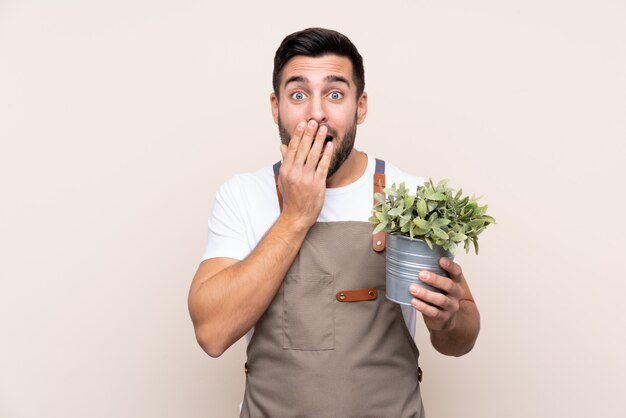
(439, 310)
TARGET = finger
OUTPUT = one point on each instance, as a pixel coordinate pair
(294, 142)
(449, 286)
(429, 311)
(305, 143)
(322, 168)
(433, 298)
(316, 150)
(456, 273)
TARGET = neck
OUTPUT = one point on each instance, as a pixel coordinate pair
(350, 171)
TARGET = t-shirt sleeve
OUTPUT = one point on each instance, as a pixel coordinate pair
(227, 233)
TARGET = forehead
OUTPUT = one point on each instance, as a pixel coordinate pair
(317, 68)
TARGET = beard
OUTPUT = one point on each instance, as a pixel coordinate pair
(343, 146)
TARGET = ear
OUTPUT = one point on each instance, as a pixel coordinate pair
(361, 111)
(274, 105)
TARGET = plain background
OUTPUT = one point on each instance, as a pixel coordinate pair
(119, 120)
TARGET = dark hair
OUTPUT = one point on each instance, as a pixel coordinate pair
(316, 42)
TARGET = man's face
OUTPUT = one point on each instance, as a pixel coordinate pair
(321, 89)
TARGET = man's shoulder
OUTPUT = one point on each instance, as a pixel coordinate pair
(259, 180)
(248, 198)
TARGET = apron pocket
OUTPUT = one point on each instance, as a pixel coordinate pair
(308, 320)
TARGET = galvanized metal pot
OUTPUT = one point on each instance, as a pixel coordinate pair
(406, 257)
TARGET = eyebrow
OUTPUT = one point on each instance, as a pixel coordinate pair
(327, 79)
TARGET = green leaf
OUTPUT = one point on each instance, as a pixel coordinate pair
(436, 196)
(408, 201)
(421, 208)
(470, 206)
(475, 223)
(395, 212)
(421, 232)
(379, 197)
(439, 222)
(421, 223)
(480, 211)
(440, 233)
(391, 191)
(379, 227)
(381, 216)
(429, 242)
(457, 237)
(432, 205)
(488, 219)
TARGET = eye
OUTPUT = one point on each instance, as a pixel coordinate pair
(335, 95)
(297, 95)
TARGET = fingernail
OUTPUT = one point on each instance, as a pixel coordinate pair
(301, 125)
(322, 129)
(445, 262)
(312, 124)
(424, 275)
(414, 289)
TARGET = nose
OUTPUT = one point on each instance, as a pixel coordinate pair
(317, 110)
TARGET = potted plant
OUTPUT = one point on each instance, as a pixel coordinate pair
(423, 227)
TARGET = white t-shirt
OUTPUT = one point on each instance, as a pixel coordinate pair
(246, 206)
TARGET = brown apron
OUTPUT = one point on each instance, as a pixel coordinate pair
(330, 344)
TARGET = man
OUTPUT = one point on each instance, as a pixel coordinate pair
(290, 260)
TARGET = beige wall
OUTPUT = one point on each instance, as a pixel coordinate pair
(119, 119)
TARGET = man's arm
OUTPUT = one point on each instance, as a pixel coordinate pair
(227, 297)
(452, 318)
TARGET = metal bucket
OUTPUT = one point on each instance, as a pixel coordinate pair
(406, 257)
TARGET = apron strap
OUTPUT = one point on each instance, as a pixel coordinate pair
(378, 240)
(280, 196)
